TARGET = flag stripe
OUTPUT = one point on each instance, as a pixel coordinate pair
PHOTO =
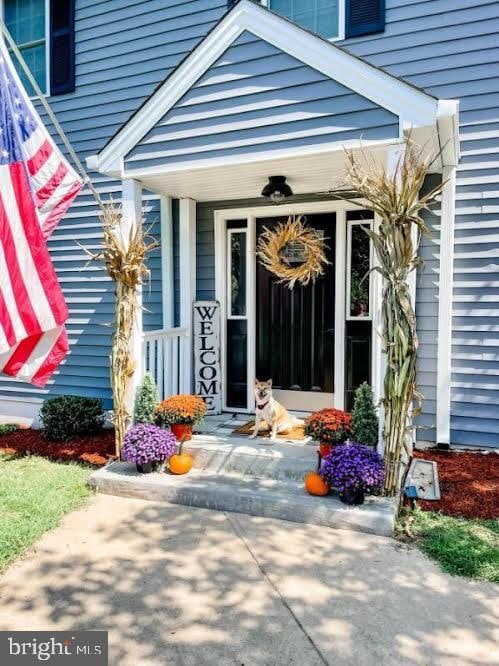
(56, 312)
(20, 293)
(58, 351)
(52, 184)
(21, 354)
(36, 187)
(39, 158)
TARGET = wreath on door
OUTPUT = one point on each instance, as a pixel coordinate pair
(293, 252)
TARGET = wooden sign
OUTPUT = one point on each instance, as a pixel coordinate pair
(207, 372)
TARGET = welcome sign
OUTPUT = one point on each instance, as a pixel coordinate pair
(207, 371)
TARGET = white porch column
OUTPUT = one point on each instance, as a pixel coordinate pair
(167, 278)
(340, 310)
(131, 202)
(187, 246)
(446, 279)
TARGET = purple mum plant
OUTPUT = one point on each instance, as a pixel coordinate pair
(146, 443)
(355, 467)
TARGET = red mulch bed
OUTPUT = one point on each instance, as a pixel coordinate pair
(469, 483)
(93, 449)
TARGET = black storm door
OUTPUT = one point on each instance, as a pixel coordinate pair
(295, 327)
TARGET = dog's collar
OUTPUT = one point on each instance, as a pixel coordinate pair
(264, 404)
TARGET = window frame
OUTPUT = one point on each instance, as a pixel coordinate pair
(341, 20)
(348, 299)
(45, 92)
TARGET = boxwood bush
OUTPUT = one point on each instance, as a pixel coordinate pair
(69, 416)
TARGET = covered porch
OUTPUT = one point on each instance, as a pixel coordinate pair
(261, 97)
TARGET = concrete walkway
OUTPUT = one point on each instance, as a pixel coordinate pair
(175, 585)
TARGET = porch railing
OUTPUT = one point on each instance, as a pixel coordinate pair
(164, 353)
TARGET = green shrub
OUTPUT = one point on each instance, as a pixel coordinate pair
(146, 400)
(7, 428)
(67, 416)
(364, 417)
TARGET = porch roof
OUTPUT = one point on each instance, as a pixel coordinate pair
(311, 162)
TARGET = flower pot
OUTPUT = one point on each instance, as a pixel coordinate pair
(182, 431)
(325, 449)
(352, 496)
(147, 468)
(180, 463)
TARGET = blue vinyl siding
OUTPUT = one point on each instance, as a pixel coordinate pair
(122, 53)
(451, 50)
(255, 99)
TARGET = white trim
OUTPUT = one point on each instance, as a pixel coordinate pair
(167, 276)
(413, 106)
(28, 408)
(187, 262)
(348, 298)
(131, 205)
(251, 303)
(339, 310)
(379, 357)
(332, 148)
(446, 279)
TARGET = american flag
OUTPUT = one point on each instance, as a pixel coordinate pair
(37, 186)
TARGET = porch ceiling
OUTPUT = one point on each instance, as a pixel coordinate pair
(313, 173)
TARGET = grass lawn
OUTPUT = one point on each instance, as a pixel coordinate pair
(35, 493)
(461, 546)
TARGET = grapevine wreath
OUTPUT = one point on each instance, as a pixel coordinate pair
(275, 246)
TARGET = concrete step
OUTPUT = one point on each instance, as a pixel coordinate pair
(258, 458)
(286, 500)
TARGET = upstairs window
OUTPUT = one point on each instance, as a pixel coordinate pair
(26, 22)
(319, 16)
(333, 19)
(44, 33)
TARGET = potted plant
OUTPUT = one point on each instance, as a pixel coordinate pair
(180, 413)
(353, 470)
(329, 427)
(148, 446)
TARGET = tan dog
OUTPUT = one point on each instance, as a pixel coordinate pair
(269, 410)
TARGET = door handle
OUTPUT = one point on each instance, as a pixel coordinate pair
(328, 331)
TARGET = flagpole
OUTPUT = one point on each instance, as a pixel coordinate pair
(46, 106)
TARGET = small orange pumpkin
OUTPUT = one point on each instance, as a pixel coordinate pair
(315, 484)
(180, 463)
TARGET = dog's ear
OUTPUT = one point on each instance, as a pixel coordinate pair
(269, 383)
(257, 381)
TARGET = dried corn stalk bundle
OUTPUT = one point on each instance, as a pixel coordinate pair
(396, 198)
(124, 254)
(272, 246)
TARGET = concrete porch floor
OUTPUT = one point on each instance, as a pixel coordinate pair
(251, 476)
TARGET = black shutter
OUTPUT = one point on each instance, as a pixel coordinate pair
(62, 47)
(364, 17)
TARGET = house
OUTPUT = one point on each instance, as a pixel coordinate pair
(186, 108)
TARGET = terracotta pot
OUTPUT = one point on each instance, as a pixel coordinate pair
(180, 463)
(182, 431)
(352, 496)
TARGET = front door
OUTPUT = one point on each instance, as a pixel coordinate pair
(295, 328)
